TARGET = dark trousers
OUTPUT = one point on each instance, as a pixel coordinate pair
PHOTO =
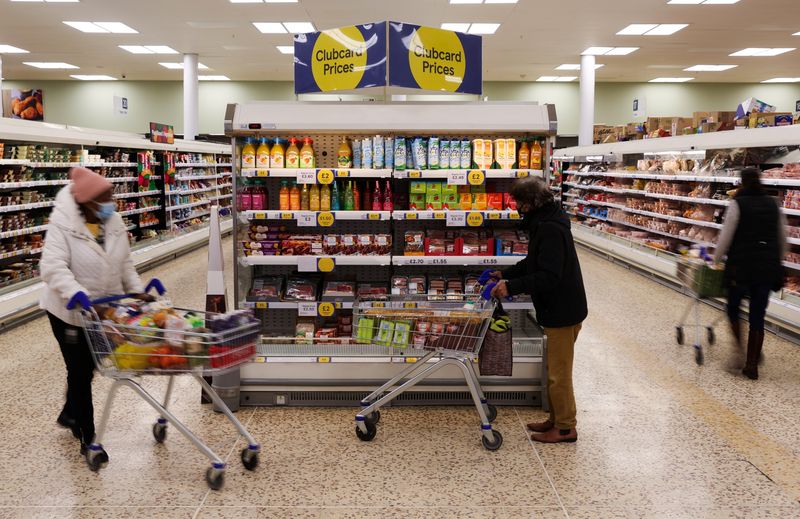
(759, 299)
(80, 371)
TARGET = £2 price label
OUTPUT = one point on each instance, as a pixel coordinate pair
(476, 177)
(325, 309)
(325, 176)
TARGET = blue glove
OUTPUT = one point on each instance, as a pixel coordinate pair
(487, 290)
(486, 275)
(79, 299)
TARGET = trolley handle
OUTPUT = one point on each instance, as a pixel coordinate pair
(80, 299)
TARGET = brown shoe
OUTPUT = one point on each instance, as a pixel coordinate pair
(540, 427)
(556, 436)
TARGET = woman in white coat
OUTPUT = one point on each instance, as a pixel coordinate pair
(86, 256)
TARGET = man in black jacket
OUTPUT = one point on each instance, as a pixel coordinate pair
(551, 274)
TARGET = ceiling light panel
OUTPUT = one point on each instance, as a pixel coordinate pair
(597, 51)
(671, 80)
(457, 27)
(761, 52)
(667, 29)
(148, 49)
(299, 27)
(49, 64)
(10, 49)
(483, 28)
(783, 80)
(86, 27)
(270, 27)
(93, 77)
(179, 66)
(213, 78)
(285, 49)
(102, 27)
(637, 29)
(556, 79)
(709, 68)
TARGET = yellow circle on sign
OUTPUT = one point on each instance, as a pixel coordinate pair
(325, 309)
(476, 177)
(325, 176)
(474, 219)
(437, 59)
(339, 59)
(325, 264)
(325, 219)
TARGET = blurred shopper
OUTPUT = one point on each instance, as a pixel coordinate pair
(551, 274)
(754, 239)
(86, 255)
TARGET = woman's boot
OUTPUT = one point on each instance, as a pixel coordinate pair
(755, 342)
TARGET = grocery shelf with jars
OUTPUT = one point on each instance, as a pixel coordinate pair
(35, 159)
(339, 200)
(644, 202)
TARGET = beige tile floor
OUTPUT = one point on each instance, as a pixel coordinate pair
(660, 437)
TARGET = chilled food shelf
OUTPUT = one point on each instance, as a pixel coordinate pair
(200, 177)
(223, 165)
(192, 216)
(137, 194)
(461, 217)
(586, 215)
(463, 175)
(149, 224)
(605, 189)
(18, 253)
(14, 162)
(791, 212)
(188, 206)
(662, 233)
(33, 183)
(315, 173)
(455, 260)
(82, 164)
(348, 305)
(220, 197)
(25, 207)
(793, 241)
(23, 232)
(331, 260)
(792, 266)
(140, 210)
(645, 175)
(312, 217)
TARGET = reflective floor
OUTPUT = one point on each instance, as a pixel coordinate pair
(659, 436)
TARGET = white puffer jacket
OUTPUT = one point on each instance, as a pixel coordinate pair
(72, 261)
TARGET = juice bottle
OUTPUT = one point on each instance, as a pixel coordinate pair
(262, 154)
(307, 159)
(248, 154)
(536, 155)
(377, 198)
(305, 198)
(314, 198)
(349, 202)
(366, 198)
(344, 157)
(294, 198)
(524, 156)
(259, 197)
(293, 154)
(335, 201)
(388, 203)
(283, 196)
(356, 197)
(277, 156)
(245, 199)
(325, 198)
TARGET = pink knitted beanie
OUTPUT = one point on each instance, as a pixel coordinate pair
(87, 185)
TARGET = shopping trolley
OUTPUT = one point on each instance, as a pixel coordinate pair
(125, 352)
(443, 330)
(702, 282)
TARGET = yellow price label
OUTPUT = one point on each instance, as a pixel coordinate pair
(439, 215)
(374, 216)
(514, 215)
(287, 216)
(262, 173)
(262, 305)
(474, 219)
(325, 219)
(411, 216)
(476, 177)
(325, 309)
(326, 264)
(415, 174)
(522, 174)
(325, 176)
(324, 360)
(411, 360)
(378, 304)
(260, 360)
(342, 173)
(409, 304)
(494, 216)
(260, 216)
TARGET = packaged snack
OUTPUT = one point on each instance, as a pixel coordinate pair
(304, 331)
(402, 332)
(433, 201)
(435, 335)
(326, 333)
(418, 187)
(448, 189)
(382, 244)
(331, 245)
(364, 330)
(385, 333)
(417, 285)
(509, 202)
(365, 244)
(444, 154)
(451, 202)
(400, 153)
(477, 153)
(494, 201)
(378, 153)
(465, 201)
(480, 201)
(433, 153)
(399, 285)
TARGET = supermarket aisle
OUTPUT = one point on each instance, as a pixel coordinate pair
(659, 437)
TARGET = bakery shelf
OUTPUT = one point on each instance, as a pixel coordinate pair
(140, 210)
(138, 194)
(488, 173)
(187, 206)
(455, 260)
(23, 232)
(293, 215)
(25, 207)
(33, 183)
(339, 260)
(338, 172)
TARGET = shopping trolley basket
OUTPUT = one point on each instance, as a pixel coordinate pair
(444, 330)
(125, 352)
(702, 282)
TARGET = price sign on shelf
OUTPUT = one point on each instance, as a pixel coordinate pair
(306, 219)
(262, 305)
(262, 173)
(325, 219)
(439, 215)
(415, 261)
(287, 216)
(306, 176)
(373, 216)
(307, 309)
(414, 174)
(476, 177)
(342, 173)
(489, 261)
(522, 173)
(456, 219)
(439, 261)
(474, 219)
(457, 177)
(315, 264)
(325, 309)
(493, 215)
(325, 176)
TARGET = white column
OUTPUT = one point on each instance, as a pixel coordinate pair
(191, 103)
(1, 85)
(586, 132)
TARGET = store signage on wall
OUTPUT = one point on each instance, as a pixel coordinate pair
(163, 133)
(120, 106)
(434, 59)
(640, 107)
(340, 59)
(23, 104)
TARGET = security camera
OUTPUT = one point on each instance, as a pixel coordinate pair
(124, 76)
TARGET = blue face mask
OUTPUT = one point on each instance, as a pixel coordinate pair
(104, 210)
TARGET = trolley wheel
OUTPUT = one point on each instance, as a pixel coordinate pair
(493, 444)
(215, 478)
(698, 355)
(372, 430)
(249, 458)
(160, 432)
(491, 413)
(712, 337)
(96, 459)
(679, 335)
(373, 418)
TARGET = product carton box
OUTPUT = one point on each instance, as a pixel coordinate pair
(678, 125)
(716, 127)
(762, 120)
(601, 132)
(753, 105)
(416, 201)
(700, 118)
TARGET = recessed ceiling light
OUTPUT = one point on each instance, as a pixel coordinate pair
(299, 27)
(671, 80)
(50, 1)
(709, 68)
(49, 64)
(637, 29)
(148, 49)
(179, 66)
(102, 27)
(667, 29)
(213, 78)
(501, 1)
(246, 1)
(483, 28)
(621, 51)
(796, 34)
(98, 77)
(597, 51)
(576, 66)
(705, 2)
(783, 80)
(264, 1)
(762, 52)
(556, 79)
(270, 27)
(285, 49)
(10, 49)
(456, 27)
(466, 1)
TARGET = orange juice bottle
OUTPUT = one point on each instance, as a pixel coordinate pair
(307, 155)
(293, 154)
(262, 154)
(294, 198)
(536, 155)
(277, 155)
(283, 196)
(524, 157)
(248, 154)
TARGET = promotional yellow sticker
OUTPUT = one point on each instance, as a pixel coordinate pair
(326, 264)
(474, 219)
(476, 177)
(262, 305)
(262, 173)
(325, 309)
(374, 216)
(494, 216)
(325, 176)
(414, 174)
(325, 219)
(287, 216)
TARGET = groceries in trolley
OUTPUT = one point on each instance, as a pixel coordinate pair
(155, 336)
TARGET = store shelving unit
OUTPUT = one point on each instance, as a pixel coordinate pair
(289, 372)
(29, 183)
(624, 207)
